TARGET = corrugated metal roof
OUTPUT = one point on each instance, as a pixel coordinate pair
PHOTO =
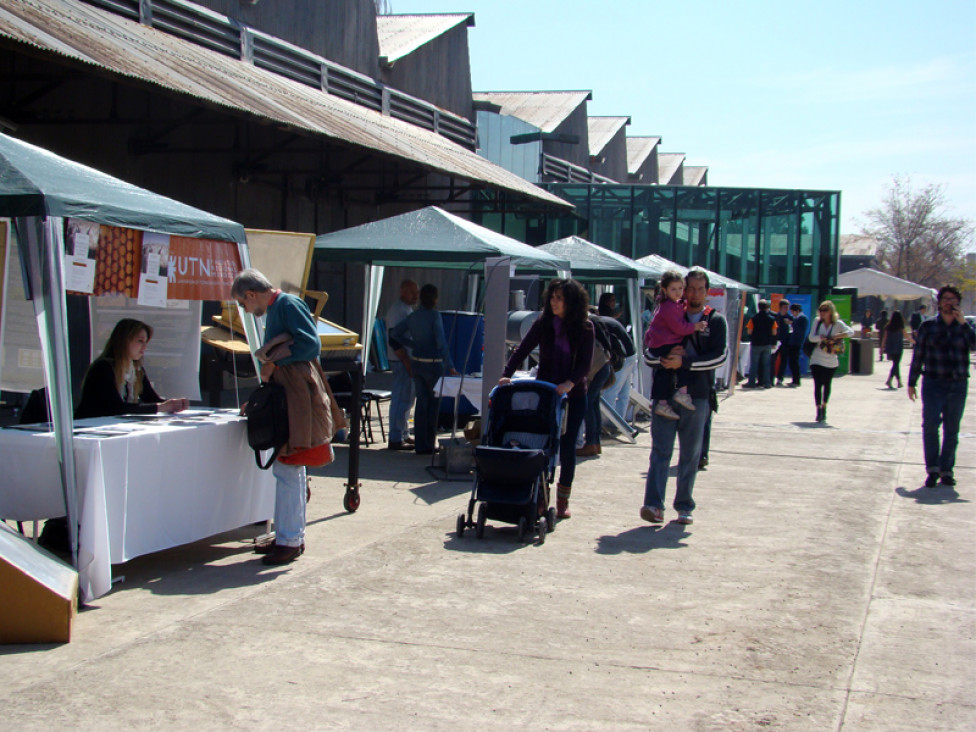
(667, 166)
(544, 109)
(859, 245)
(401, 35)
(694, 175)
(600, 130)
(127, 48)
(638, 150)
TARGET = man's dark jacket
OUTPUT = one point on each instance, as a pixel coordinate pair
(711, 349)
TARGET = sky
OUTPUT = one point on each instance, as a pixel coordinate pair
(833, 95)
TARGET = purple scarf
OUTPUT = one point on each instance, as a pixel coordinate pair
(562, 361)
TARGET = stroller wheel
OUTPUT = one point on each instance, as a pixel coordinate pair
(460, 525)
(479, 528)
(551, 519)
(523, 528)
(541, 529)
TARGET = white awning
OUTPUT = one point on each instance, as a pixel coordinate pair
(871, 282)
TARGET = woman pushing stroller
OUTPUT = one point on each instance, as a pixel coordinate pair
(564, 336)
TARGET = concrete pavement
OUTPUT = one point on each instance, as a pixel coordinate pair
(820, 587)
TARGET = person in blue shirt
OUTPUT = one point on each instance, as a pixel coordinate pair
(288, 324)
(423, 333)
(801, 326)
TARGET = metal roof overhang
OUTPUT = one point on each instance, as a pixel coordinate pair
(115, 44)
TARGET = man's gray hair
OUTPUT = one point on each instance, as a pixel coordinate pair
(697, 273)
(250, 280)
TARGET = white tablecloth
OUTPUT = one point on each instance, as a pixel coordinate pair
(169, 481)
(451, 386)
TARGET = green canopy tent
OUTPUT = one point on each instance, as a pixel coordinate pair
(428, 237)
(660, 265)
(38, 190)
(595, 264)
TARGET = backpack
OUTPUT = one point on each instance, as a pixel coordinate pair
(267, 421)
(611, 345)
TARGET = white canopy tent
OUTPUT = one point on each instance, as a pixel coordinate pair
(871, 282)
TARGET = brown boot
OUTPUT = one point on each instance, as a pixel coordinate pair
(562, 501)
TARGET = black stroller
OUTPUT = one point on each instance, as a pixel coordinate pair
(516, 461)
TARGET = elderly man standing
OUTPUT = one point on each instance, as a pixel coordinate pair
(701, 353)
(290, 357)
(941, 358)
(403, 395)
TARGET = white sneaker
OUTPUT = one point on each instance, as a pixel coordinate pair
(684, 400)
(663, 409)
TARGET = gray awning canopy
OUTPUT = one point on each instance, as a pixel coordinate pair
(591, 262)
(660, 265)
(871, 282)
(36, 182)
(431, 237)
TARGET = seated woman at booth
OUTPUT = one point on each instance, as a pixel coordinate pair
(116, 381)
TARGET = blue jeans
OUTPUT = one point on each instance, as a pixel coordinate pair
(618, 395)
(594, 422)
(401, 399)
(689, 428)
(759, 366)
(425, 375)
(291, 483)
(943, 403)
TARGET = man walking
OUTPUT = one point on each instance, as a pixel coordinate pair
(701, 353)
(801, 326)
(762, 327)
(941, 358)
(403, 395)
(784, 331)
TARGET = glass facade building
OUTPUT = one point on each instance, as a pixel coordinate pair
(775, 240)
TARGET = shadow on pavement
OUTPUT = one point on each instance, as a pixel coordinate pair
(936, 496)
(643, 539)
(499, 539)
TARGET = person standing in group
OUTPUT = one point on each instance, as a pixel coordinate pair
(941, 358)
(867, 322)
(784, 332)
(423, 333)
(618, 395)
(402, 397)
(701, 354)
(893, 344)
(564, 337)
(614, 339)
(762, 326)
(882, 325)
(667, 330)
(801, 324)
(290, 357)
(918, 317)
(828, 334)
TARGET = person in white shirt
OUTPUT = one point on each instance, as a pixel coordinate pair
(827, 335)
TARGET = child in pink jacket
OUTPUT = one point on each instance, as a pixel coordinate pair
(668, 329)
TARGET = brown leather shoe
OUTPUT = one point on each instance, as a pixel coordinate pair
(269, 546)
(588, 451)
(282, 554)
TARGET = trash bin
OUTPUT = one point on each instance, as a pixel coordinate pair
(862, 356)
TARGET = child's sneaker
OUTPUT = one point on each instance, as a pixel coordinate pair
(663, 409)
(684, 400)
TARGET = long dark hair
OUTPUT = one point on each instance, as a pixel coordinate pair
(577, 305)
(117, 351)
(897, 322)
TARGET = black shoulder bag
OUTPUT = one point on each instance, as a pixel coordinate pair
(267, 421)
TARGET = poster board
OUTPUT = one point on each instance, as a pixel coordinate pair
(284, 257)
(843, 304)
(21, 359)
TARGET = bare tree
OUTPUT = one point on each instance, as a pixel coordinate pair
(917, 241)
